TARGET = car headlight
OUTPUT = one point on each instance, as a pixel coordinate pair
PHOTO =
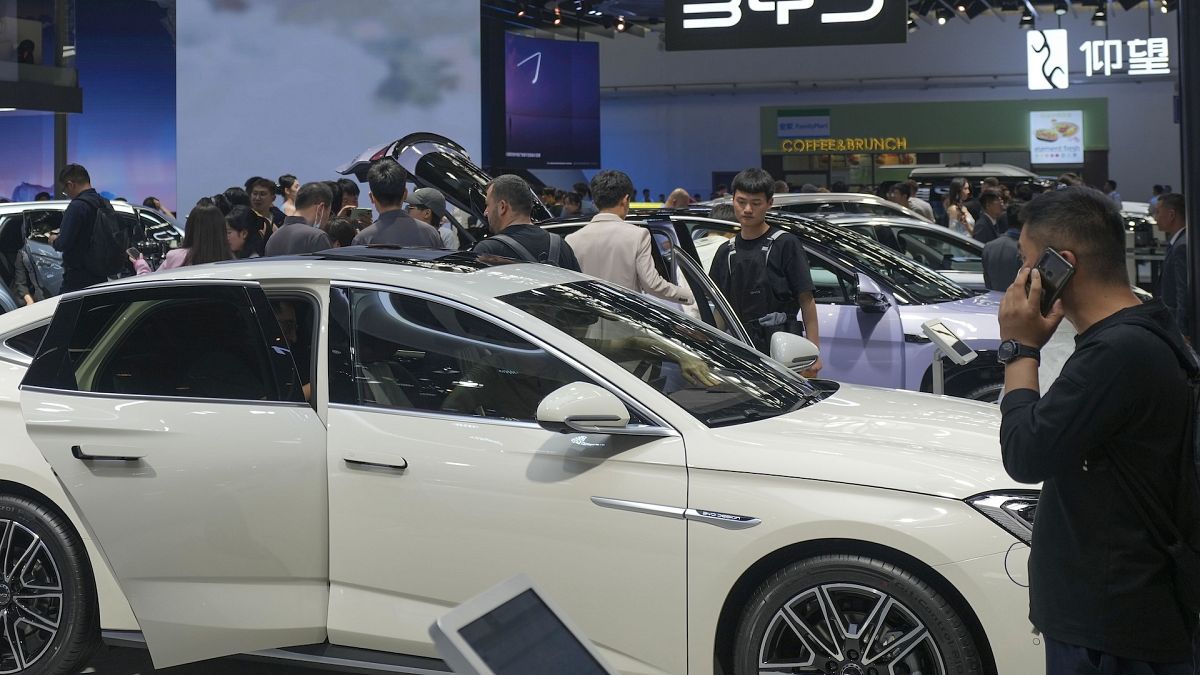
(1013, 510)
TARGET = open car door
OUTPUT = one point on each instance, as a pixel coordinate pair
(437, 162)
(174, 418)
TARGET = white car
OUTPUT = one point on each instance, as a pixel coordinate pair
(824, 203)
(693, 505)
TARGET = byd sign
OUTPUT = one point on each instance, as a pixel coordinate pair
(741, 24)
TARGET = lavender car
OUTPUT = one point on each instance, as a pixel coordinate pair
(871, 300)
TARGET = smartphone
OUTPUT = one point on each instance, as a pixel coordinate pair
(1055, 272)
(133, 253)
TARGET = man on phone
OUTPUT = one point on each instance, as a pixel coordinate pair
(1101, 591)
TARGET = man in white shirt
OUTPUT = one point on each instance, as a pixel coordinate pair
(616, 251)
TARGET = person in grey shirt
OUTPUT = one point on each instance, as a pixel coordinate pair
(394, 226)
(1001, 256)
(301, 232)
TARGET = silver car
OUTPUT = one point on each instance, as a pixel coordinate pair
(828, 203)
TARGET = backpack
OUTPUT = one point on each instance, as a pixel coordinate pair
(553, 257)
(1177, 532)
(108, 240)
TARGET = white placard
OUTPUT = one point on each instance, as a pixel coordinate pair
(1056, 137)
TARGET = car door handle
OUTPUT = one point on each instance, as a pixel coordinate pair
(366, 460)
(123, 456)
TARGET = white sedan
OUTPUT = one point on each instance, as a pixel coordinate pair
(313, 458)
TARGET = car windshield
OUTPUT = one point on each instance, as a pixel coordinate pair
(717, 380)
(912, 284)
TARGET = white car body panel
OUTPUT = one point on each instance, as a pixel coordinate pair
(868, 465)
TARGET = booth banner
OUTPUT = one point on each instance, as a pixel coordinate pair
(746, 24)
(1056, 137)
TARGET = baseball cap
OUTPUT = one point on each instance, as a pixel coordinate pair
(428, 198)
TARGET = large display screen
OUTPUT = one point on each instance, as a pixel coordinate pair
(1056, 137)
(551, 103)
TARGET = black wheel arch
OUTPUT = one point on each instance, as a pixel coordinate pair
(8, 487)
(752, 578)
(962, 380)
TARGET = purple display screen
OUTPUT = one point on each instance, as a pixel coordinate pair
(551, 103)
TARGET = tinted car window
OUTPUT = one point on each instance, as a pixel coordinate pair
(417, 354)
(718, 381)
(27, 342)
(938, 251)
(201, 342)
(830, 285)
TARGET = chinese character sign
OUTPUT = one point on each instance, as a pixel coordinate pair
(1049, 67)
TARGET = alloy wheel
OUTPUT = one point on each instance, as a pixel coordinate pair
(31, 597)
(847, 629)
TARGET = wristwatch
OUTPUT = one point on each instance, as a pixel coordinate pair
(1011, 350)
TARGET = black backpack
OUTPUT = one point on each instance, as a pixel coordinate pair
(553, 256)
(108, 240)
(1177, 531)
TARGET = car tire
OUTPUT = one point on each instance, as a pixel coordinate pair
(889, 622)
(988, 393)
(52, 562)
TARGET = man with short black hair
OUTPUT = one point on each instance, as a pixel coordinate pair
(1102, 592)
(1172, 287)
(572, 205)
(763, 272)
(262, 199)
(915, 203)
(350, 194)
(987, 226)
(1110, 189)
(1002, 256)
(303, 231)
(509, 205)
(611, 249)
(74, 238)
(388, 181)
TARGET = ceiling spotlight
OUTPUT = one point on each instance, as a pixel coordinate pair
(521, 10)
(1100, 18)
(943, 15)
(912, 25)
(962, 7)
(1026, 21)
(621, 24)
(1061, 7)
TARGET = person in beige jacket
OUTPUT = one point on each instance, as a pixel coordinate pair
(616, 251)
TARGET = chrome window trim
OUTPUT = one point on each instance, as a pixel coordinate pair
(642, 411)
(142, 283)
(15, 356)
(164, 399)
(434, 414)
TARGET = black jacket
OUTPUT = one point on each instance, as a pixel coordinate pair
(1096, 578)
(1172, 286)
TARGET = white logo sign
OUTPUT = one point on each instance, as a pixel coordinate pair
(730, 12)
(1048, 56)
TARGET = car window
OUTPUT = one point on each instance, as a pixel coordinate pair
(708, 305)
(717, 380)
(412, 353)
(27, 342)
(42, 224)
(830, 285)
(937, 251)
(876, 209)
(189, 342)
(811, 207)
(865, 230)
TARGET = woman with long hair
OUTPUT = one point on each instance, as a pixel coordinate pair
(957, 216)
(204, 240)
(245, 230)
(288, 187)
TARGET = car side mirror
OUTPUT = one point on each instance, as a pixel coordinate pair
(870, 298)
(795, 352)
(583, 407)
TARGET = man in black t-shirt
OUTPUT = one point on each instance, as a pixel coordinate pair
(763, 272)
(509, 205)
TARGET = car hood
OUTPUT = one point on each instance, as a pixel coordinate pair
(882, 438)
(973, 320)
